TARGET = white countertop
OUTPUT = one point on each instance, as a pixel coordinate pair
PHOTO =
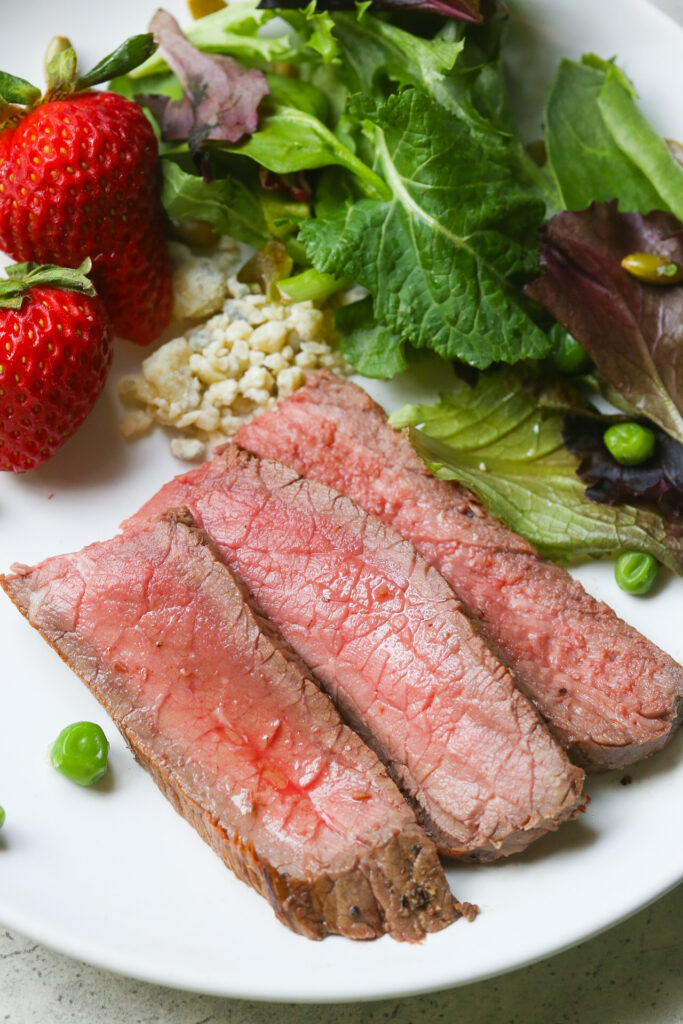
(630, 975)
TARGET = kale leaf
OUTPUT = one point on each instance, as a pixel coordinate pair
(444, 255)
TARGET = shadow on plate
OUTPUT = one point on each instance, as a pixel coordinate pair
(97, 454)
(667, 760)
(570, 837)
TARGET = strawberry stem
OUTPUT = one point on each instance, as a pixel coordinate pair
(56, 45)
(61, 73)
(21, 277)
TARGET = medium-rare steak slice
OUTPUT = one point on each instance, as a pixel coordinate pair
(610, 695)
(245, 746)
(386, 636)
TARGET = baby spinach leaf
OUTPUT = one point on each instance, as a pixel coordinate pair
(442, 255)
(501, 441)
(632, 331)
(228, 204)
(291, 140)
(600, 145)
(294, 92)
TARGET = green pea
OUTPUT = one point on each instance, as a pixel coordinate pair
(629, 443)
(569, 357)
(80, 753)
(636, 572)
(2, 816)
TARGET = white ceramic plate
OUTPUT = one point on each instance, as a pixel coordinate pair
(115, 877)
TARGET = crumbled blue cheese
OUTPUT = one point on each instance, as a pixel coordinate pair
(237, 363)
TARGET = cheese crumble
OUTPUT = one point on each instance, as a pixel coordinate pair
(238, 363)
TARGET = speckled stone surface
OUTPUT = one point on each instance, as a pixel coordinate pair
(632, 974)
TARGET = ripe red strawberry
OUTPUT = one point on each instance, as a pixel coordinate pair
(79, 177)
(55, 353)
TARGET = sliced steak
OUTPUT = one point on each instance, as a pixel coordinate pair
(610, 695)
(235, 733)
(386, 636)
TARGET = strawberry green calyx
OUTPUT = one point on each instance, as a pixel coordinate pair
(61, 72)
(21, 277)
(56, 45)
(62, 65)
(133, 52)
(17, 90)
(60, 69)
(15, 94)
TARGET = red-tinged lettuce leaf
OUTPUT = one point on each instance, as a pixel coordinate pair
(632, 331)
(220, 98)
(656, 483)
(464, 10)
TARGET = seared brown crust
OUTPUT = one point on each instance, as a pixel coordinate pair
(396, 886)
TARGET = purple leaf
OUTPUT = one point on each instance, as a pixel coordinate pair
(176, 124)
(465, 10)
(632, 331)
(220, 100)
(657, 482)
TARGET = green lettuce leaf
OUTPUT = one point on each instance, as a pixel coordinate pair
(233, 30)
(367, 345)
(601, 146)
(505, 443)
(462, 72)
(230, 205)
(375, 51)
(291, 140)
(443, 255)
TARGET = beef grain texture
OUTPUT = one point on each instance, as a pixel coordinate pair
(386, 637)
(610, 696)
(242, 742)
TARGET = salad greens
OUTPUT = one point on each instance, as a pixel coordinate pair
(468, 10)
(658, 481)
(504, 441)
(421, 199)
(632, 331)
(228, 204)
(220, 98)
(441, 252)
(376, 146)
(600, 146)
